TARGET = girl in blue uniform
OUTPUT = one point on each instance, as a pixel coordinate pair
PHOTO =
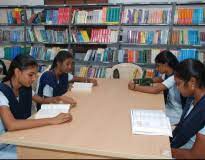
(16, 100)
(55, 82)
(189, 135)
(165, 64)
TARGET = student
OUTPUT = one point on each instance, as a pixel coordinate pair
(189, 135)
(165, 64)
(16, 99)
(55, 82)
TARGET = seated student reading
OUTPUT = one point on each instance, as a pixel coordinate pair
(189, 135)
(165, 64)
(16, 100)
(54, 83)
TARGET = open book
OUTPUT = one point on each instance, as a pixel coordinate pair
(80, 86)
(150, 122)
(52, 110)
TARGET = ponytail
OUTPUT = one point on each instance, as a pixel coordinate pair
(21, 62)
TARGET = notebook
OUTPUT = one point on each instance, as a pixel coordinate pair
(150, 122)
(52, 110)
(82, 87)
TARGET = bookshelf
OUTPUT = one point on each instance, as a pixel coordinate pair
(131, 29)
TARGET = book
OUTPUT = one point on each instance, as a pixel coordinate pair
(81, 87)
(150, 122)
(52, 110)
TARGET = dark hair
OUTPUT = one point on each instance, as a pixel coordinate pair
(167, 57)
(191, 68)
(61, 57)
(21, 62)
(3, 67)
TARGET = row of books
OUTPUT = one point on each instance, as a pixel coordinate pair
(188, 37)
(10, 52)
(60, 16)
(189, 16)
(130, 15)
(104, 15)
(97, 36)
(12, 35)
(49, 36)
(104, 35)
(146, 16)
(145, 56)
(12, 16)
(101, 55)
(183, 54)
(93, 72)
(43, 53)
(147, 37)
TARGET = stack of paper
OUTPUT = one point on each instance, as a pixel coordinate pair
(150, 122)
(79, 86)
(52, 110)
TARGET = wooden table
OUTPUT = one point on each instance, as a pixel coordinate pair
(101, 128)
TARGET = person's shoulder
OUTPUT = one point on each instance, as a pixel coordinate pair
(46, 74)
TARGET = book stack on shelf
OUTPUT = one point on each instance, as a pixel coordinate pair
(12, 16)
(110, 15)
(16, 35)
(47, 36)
(93, 72)
(147, 37)
(80, 36)
(187, 37)
(10, 52)
(187, 15)
(43, 53)
(134, 15)
(101, 55)
(60, 16)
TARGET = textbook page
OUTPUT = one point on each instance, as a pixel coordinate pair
(52, 110)
(150, 122)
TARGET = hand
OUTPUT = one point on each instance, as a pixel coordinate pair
(67, 100)
(61, 118)
(94, 81)
(131, 86)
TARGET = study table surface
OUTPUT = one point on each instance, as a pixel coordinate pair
(101, 128)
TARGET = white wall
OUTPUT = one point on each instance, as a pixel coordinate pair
(21, 2)
(147, 1)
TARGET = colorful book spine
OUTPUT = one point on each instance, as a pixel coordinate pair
(189, 15)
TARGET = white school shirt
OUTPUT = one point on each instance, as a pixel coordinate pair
(192, 140)
(48, 90)
(4, 102)
(173, 106)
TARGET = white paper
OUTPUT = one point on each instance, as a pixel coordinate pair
(79, 86)
(150, 122)
(52, 110)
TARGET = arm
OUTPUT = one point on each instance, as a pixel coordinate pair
(57, 99)
(196, 152)
(147, 89)
(157, 79)
(83, 79)
(13, 124)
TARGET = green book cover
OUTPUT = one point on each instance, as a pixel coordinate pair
(118, 15)
(108, 15)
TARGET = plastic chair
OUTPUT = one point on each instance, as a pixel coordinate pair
(126, 71)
